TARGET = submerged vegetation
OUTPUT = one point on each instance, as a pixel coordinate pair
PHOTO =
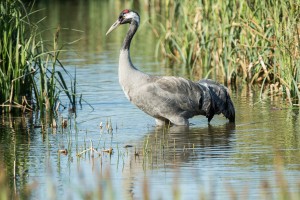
(236, 41)
(31, 76)
(160, 148)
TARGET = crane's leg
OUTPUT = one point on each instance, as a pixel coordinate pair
(179, 121)
(209, 118)
(160, 122)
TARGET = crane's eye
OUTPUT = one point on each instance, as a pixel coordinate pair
(123, 13)
(121, 17)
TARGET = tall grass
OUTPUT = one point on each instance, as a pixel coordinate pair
(29, 74)
(249, 40)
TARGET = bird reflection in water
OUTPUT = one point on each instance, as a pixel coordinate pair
(181, 143)
(178, 148)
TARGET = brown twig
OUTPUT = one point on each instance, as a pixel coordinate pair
(92, 149)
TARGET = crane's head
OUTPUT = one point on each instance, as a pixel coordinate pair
(125, 17)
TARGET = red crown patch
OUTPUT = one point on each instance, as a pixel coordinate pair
(126, 11)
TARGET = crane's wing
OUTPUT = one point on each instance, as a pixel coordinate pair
(180, 93)
(169, 95)
(162, 97)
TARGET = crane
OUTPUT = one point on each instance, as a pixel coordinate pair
(169, 99)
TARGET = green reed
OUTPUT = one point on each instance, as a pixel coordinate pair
(31, 76)
(247, 41)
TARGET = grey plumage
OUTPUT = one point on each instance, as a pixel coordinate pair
(168, 98)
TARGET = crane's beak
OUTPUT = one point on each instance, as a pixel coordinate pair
(115, 25)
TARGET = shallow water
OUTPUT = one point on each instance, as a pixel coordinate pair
(217, 161)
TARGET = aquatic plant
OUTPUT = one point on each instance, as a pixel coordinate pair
(31, 76)
(247, 41)
(105, 189)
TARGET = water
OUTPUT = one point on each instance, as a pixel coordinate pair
(217, 161)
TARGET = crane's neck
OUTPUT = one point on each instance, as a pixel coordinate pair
(125, 60)
(129, 76)
(125, 65)
(132, 29)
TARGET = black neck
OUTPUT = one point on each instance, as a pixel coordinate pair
(132, 29)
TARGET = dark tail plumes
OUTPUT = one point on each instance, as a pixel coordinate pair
(216, 100)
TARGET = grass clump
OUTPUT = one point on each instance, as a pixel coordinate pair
(248, 40)
(31, 76)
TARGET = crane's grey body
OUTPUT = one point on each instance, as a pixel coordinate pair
(168, 99)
